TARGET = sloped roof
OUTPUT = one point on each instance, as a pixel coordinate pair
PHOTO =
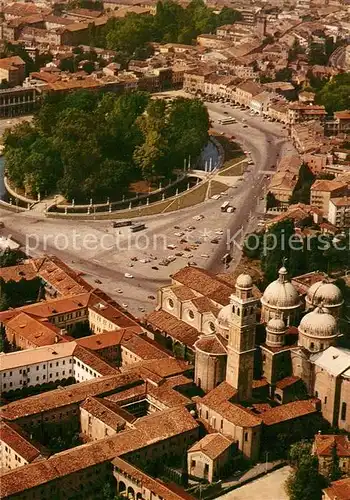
(335, 360)
(212, 445)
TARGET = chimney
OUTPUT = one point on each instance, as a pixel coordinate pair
(56, 339)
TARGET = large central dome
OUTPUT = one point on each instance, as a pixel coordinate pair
(281, 294)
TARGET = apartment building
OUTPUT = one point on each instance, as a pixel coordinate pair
(16, 449)
(323, 190)
(298, 112)
(339, 212)
(50, 364)
(12, 70)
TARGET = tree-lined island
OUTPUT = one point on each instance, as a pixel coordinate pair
(87, 145)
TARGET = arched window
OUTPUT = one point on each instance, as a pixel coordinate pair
(238, 311)
(170, 303)
(190, 314)
(233, 309)
(312, 345)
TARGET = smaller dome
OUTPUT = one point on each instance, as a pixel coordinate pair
(276, 325)
(326, 294)
(319, 323)
(244, 281)
(224, 317)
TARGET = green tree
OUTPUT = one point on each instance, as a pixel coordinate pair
(228, 16)
(335, 94)
(305, 482)
(334, 472)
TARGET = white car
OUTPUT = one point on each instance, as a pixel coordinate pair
(128, 275)
(171, 246)
(125, 305)
(198, 217)
(119, 290)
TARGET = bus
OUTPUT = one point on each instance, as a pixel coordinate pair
(227, 121)
(225, 206)
(122, 223)
(138, 227)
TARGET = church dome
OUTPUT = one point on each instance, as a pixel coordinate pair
(224, 317)
(319, 323)
(281, 293)
(276, 324)
(326, 294)
(244, 281)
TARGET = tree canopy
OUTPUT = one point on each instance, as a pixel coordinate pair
(171, 23)
(305, 481)
(93, 145)
(335, 94)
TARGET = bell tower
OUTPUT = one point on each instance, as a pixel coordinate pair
(241, 342)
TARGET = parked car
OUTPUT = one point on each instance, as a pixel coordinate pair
(128, 275)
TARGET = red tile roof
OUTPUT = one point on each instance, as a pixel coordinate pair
(287, 412)
(205, 283)
(73, 394)
(287, 382)
(339, 490)
(150, 430)
(324, 444)
(107, 412)
(13, 436)
(212, 445)
(177, 329)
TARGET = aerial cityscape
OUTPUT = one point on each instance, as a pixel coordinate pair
(175, 249)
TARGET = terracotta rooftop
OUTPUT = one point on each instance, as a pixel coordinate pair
(11, 62)
(339, 490)
(73, 394)
(36, 331)
(60, 276)
(212, 445)
(140, 346)
(287, 382)
(107, 412)
(166, 367)
(177, 329)
(327, 185)
(212, 344)
(324, 444)
(49, 308)
(203, 304)
(287, 412)
(155, 428)
(183, 292)
(205, 283)
(14, 437)
(219, 399)
(94, 361)
(107, 339)
(17, 273)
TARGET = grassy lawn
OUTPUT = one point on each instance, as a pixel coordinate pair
(234, 169)
(190, 198)
(217, 187)
(187, 199)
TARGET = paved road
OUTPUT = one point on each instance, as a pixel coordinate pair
(269, 487)
(108, 262)
(267, 142)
